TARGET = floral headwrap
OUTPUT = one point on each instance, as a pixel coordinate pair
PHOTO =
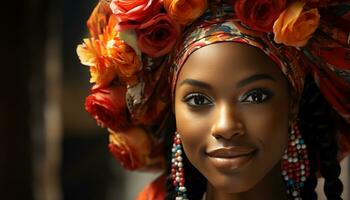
(137, 49)
(224, 26)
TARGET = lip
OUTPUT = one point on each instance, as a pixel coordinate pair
(232, 158)
(230, 152)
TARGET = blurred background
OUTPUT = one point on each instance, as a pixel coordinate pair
(50, 148)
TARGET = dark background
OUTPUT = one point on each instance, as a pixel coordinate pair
(42, 107)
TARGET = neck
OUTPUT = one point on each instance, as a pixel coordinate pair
(271, 187)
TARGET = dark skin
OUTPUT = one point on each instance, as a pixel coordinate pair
(233, 112)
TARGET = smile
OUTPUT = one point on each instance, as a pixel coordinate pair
(231, 158)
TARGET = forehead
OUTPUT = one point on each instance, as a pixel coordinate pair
(228, 62)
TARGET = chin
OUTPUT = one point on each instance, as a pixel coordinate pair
(233, 185)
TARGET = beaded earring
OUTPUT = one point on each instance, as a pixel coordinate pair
(177, 170)
(295, 163)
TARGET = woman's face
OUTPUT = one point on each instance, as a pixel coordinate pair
(232, 108)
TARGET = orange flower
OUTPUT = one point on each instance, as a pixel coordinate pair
(108, 56)
(124, 57)
(98, 20)
(91, 54)
(185, 11)
(294, 27)
(134, 149)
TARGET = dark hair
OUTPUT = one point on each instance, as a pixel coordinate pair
(315, 117)
(317, 127)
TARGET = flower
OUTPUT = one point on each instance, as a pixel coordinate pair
(91, 53)
(134, 149)
(259, 14)
(185, 11)
(108, 107)
(158, 36)
(108, 56)
(132, 13)
(124, 57)
(99, 18)
(295, 27)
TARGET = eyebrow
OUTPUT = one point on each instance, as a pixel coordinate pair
(256, 77)
(196, 83)
(242, 83)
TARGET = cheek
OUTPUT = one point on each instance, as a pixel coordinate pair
(193, 128)
(268, 127)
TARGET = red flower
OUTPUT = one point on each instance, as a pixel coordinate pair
(157, 37)
(107, 106)
(259, 15)
(132, 13)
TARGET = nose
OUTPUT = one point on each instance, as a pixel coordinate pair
(227, 123)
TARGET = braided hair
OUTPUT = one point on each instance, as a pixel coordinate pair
(315, 115)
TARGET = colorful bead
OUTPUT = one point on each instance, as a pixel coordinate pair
(295, 163)
(177, 170)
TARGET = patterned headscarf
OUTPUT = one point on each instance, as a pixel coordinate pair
(225, 27)
(326, 57)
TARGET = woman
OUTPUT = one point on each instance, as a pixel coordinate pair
(249, 119)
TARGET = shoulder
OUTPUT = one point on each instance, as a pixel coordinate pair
(156, 190)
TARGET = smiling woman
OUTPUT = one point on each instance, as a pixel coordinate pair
(259, 100)
(236, 135)
(238, 103)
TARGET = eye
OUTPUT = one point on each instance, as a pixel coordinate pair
(257, 96)
(196, 100)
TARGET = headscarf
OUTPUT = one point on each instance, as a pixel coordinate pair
(224, 26)
(326, 57)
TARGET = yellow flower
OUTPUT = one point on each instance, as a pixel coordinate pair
(294, 27)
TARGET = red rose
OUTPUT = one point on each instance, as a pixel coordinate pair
(107, 106)
(132, 13)
(260, 15)
(157, 37)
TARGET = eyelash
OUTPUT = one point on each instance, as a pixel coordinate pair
(192, 96)
(265, 95)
